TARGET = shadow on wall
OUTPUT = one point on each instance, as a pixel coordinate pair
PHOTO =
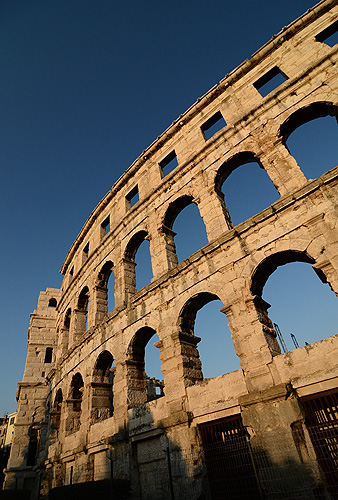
(219, 463)
(219, 457)
(160, 467)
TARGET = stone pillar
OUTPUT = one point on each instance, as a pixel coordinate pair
(63, 341)
(280, 166)
(120, 389)
(136, 383)
(190, 364)
(324, 248)
(170, 247)
(180, 363)
(214, 213)
(101, 401)
(254, 340)
(77, 325)
(129, 278)
(100, 299)
(285, 462)
(158, 246)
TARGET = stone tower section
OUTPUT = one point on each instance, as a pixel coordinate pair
(87, 409)
(30, 437)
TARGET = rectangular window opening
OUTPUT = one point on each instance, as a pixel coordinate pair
(329, 36)
(213, 125)
(86, 251)
(132, 197)
(71, 272)
(169, 163)
(48, 355)
(105, 227)
(270, 81)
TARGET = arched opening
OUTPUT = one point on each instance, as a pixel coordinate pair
(52, 303)
(102, 387)
(137, 254)
(184, 230)
(216, 349)
(141, 387)
(66, 323)
(105, 297)
(143, 269)
(301, 304)
(64, 332)
(244, 187)
(301, 300)
(155, 383)
(56, 412)
(311, 136)
(201, 315)
(74, 403)
(82, 306)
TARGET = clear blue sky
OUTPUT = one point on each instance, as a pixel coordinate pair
(84, 87)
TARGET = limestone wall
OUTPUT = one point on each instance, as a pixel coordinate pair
(70, 406)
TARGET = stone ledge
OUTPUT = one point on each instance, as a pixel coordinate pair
(280, 391)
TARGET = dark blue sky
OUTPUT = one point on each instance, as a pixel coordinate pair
(85, 86)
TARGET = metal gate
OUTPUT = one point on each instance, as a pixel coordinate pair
(322, 423)
(231, 470)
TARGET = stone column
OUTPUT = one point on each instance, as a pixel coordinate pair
(77, 325)
(254, 340)
(281, 167)
(169, 247)
(125, 283)
(214, 213)
(100, 299)
(63, 341)
(281, 449)
(161, 255)
(136, 383)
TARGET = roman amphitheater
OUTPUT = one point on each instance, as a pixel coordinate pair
(87, 410)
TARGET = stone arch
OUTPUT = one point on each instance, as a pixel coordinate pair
(230, 165)
(261, 197)
(134, 244)
(172, 212)
(66, 322)
(102, 291)
(74, 404)
(52, 302)
(266, 267)
(83, 299)
(63, 337)
(102, 387)
(104, 274)
(192, 366)
(80, 323)
(187, 316)
(129, 261)
(305, 114)
(175, 207)
(136, 375)
(313, 146)
(56, 411)
(259, 277)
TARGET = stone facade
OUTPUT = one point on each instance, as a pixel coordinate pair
(75, 406)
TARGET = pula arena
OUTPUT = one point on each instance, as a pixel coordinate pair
(86, 408)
